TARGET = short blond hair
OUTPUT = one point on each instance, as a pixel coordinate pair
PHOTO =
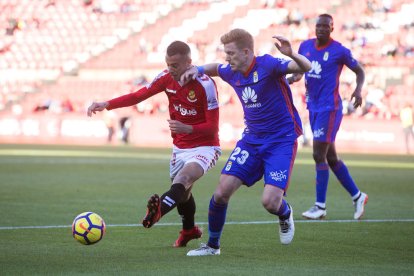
(240, 37)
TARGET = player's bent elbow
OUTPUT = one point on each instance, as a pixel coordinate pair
(306, 66)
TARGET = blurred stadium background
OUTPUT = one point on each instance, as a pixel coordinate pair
(57, 56)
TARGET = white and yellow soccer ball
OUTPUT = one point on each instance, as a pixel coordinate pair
(88, 228)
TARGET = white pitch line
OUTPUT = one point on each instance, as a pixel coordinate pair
(205, 223)
(133, 156)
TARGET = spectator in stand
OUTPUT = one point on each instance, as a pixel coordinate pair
(67, 105)
(110, 118)
(126, 7)
(14, 24)
(106, 6)
(407, 119)
(87, 3)
(373, 102)
(50, 3)
(125, 125)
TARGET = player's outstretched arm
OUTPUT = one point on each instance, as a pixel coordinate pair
(299, 63)
(94, 107)
(192, 72)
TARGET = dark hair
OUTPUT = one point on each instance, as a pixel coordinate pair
(326, 15)
(178, 47)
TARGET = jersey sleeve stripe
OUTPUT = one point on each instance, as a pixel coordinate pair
(289, 104)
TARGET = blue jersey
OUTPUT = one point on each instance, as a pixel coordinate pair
(322, 81)
(269, 113)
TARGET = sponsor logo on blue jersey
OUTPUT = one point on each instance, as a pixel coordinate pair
(249, 97)
(279, 176)
(318, 132)
(315, 70)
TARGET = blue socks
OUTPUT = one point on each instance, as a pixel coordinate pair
(216, 219)
(342, 173)
(322, 179)
(284, 211)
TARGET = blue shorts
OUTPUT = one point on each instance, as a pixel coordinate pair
(272, 161)
(325, 125)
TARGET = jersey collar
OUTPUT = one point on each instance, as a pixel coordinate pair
(324, 46)
(250, 67)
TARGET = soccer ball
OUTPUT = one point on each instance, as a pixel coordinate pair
(88, 228)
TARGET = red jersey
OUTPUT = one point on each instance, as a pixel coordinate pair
(195, 103)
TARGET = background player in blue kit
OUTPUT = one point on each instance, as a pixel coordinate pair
(269, 144)
(325, 111)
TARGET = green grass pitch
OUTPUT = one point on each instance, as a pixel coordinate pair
(43, 188)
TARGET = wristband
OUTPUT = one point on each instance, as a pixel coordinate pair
(200, 70)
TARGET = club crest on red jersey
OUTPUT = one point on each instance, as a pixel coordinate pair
(191, 97)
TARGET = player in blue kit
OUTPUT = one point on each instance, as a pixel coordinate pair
(325, 111)
(269, 144)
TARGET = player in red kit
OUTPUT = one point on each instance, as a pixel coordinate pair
(194, 126)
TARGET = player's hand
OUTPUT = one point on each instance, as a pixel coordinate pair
(356, 96)
(291, 79)
(283, 46)
(96, 107)
(294, 78)
(179, 127)
(190, 74)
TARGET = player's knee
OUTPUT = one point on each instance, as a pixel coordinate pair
(318, 157)
(186, 180)
(271, 205)
(267, 205)
(221, 196)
